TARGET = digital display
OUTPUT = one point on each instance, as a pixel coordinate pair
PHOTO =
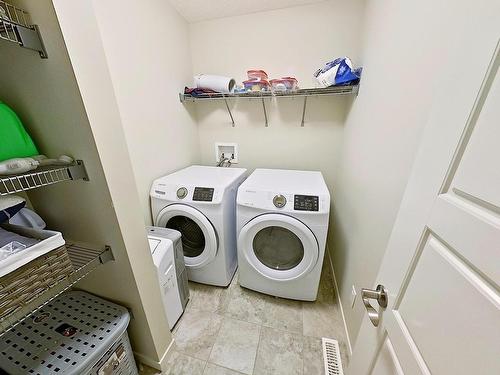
(306, 203)
(203, 194)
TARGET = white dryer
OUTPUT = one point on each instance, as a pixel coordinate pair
(282, 228)
(200, 202)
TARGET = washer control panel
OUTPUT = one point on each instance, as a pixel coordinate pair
(306, 203)
(203, 194)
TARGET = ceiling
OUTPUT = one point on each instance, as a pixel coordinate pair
(201, 10)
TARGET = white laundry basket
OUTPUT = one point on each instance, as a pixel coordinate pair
(77, 333)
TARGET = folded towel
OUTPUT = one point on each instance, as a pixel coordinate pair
(197, 92)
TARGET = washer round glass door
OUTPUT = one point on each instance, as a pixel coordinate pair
(199, 240)
(278, 246)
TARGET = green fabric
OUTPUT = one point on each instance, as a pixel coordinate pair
(15, 142)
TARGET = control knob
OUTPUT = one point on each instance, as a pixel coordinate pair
(279, 201)
(182, 193)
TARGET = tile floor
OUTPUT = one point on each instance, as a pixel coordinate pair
(234, 331)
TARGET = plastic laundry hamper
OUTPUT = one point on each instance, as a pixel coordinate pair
(76, 333)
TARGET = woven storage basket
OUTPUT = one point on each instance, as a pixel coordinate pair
(21, 286)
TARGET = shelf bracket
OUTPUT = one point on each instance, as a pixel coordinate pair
(229, 111)
(106, 255)
(265, 112)
(29, 37)
(304, 111)
(78, 171)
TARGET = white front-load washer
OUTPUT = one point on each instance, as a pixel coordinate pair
(282, 228)
(200, 202)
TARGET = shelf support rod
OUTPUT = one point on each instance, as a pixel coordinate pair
(265, 112)
(304, 111)
(229, 111)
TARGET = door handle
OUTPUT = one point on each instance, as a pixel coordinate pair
(380, 295)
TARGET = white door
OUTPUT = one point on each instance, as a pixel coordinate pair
(199, 240)
(278, 246)
(441, 269)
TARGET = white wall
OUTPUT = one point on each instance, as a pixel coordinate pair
(147, 49)
(294, 41)
(405, 48)
(98, 93)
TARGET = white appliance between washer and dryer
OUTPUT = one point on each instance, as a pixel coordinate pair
(282, 228)
(162, 250)
(200, 202)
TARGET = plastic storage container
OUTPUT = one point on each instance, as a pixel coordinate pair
(256, 85)
(76, 333)
(284, 84)
(15, 142)
(257, 74)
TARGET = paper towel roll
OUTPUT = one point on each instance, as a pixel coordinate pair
(216, 83)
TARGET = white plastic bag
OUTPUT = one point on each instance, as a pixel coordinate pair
(11, 248)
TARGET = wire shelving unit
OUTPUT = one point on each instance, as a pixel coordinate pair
(84, 257)
(262, 95)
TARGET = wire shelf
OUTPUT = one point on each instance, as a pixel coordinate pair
(327, 91)
(262, 95)
(16, 26)
(42, 177)
(84, 257)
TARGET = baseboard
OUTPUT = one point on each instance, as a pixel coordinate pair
(159, 365)
(337, 293)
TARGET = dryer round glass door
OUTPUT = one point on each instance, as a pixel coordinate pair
(278, 246)
(199, 240)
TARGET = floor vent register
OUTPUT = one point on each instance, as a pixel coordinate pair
(331, 357)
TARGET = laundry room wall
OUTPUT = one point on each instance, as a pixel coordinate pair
(402, 59)
(147, 48)
(286, 42)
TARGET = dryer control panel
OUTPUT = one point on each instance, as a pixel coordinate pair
(305, 203)
(203, 194)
